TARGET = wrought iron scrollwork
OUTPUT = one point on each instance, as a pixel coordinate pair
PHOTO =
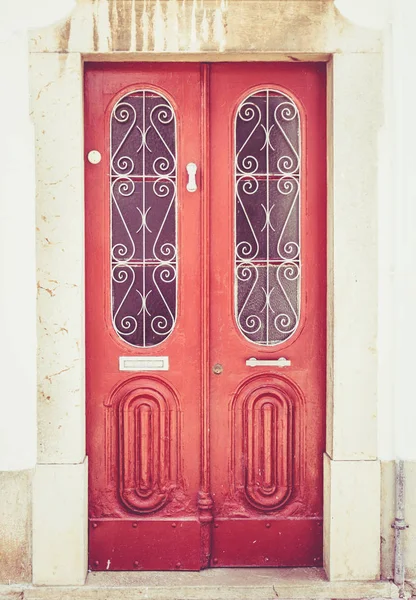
(267, 217)
(143, 218)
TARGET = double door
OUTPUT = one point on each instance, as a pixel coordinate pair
(205, 303)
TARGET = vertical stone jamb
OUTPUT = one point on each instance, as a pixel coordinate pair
(60, 482)
(352, 473)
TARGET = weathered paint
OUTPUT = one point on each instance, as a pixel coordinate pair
(101, 26)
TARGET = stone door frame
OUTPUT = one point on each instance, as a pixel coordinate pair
(209, 31)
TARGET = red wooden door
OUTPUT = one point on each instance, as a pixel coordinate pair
(196, 458)
(268, 265)
(143, 427)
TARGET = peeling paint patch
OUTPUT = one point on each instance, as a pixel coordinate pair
(193, 42)
(104, 26)
(219, 29)
(63, 35)
(115, 25)
(158, 28)
(145, 28)
(172, 42)
(211, 25)
(183, 27)
(133, 34)
(15, 527)
(83, 26)
(204, 27)
(95, 32)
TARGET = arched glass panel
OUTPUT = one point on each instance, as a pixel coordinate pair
(143, 218)
(267, 217)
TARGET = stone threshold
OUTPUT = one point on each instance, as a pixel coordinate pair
(213, 584)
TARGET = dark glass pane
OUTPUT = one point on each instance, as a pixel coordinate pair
(143, 136)
(267, 301)
(267, 135)
(144, 302)
(267, 228)
(267, 214)
(143, 218)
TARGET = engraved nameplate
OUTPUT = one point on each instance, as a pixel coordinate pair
(143, 363)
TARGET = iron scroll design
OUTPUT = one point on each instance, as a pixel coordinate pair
(267, 217)
(143, 188)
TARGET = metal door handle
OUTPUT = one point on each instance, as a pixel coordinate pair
(191, 170)
(280, 362)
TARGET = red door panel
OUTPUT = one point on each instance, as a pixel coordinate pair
(267, 422)
(196, 458)
(143, 427)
